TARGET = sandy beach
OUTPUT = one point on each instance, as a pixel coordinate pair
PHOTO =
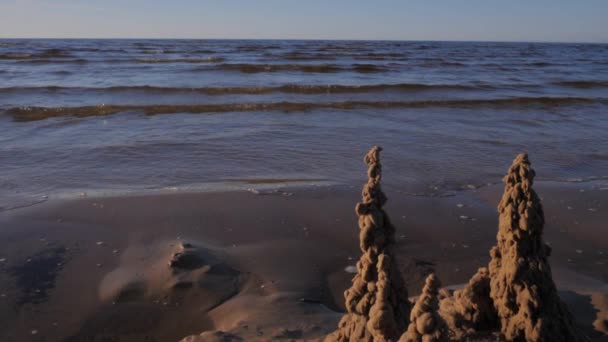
(259, 266)
(325, 171)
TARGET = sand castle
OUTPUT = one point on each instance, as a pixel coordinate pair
(515, 296)
(377, 302)
(521, 284)
(426, 324)
(516, 293)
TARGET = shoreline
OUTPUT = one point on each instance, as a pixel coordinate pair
(272, 185)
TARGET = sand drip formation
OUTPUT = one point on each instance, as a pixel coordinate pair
(426, 324)
(515, 297)
(377, 302)
(521, 285)
(516, 294)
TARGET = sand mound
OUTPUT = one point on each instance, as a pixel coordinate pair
(426, 323)
(166, 273)
(188, 259)
(377, 303)
(254, 317)
(213, 336)
(470, 310)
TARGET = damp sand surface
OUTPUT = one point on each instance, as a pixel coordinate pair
(261, 267)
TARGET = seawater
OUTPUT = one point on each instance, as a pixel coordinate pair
(145, 115)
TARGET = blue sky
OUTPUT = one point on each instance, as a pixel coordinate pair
(504, 20)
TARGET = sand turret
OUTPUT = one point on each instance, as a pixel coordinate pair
(377, 303)
(471, 309)
(426, 325)
(521, 284)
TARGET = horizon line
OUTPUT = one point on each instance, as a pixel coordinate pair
(319, 39)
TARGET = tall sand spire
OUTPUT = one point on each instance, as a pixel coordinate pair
(521, 284)
(426, 325)
(377, 302)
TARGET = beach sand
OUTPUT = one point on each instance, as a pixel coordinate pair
(262, 266)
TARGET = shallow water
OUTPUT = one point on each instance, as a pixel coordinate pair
(144, 115)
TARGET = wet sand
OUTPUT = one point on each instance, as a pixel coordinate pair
(265, 266)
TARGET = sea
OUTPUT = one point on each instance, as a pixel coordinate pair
(83, 117)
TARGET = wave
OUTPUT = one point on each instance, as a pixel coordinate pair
(157, 51)
(308, 68)
(299, 56)
(248, 68)
(45, 54)
(368, 68)
(379, 56)
(288, 88)
(539, 64)
(583, 84)
(456, 64)
(337, 49)
(31, 59)
(257, 48)
(257, 68)
(307, 56)
(180, 60)
(39, 113)
(86, 49)
(203, 51)
(438, 62)
(15, 56)
(53, 61)
(54, 53)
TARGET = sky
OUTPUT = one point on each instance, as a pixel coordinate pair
(468, 20)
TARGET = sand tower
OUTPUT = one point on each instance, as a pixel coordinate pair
(377, 302)
(521, 284)
(471, 310)
(425, 323)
